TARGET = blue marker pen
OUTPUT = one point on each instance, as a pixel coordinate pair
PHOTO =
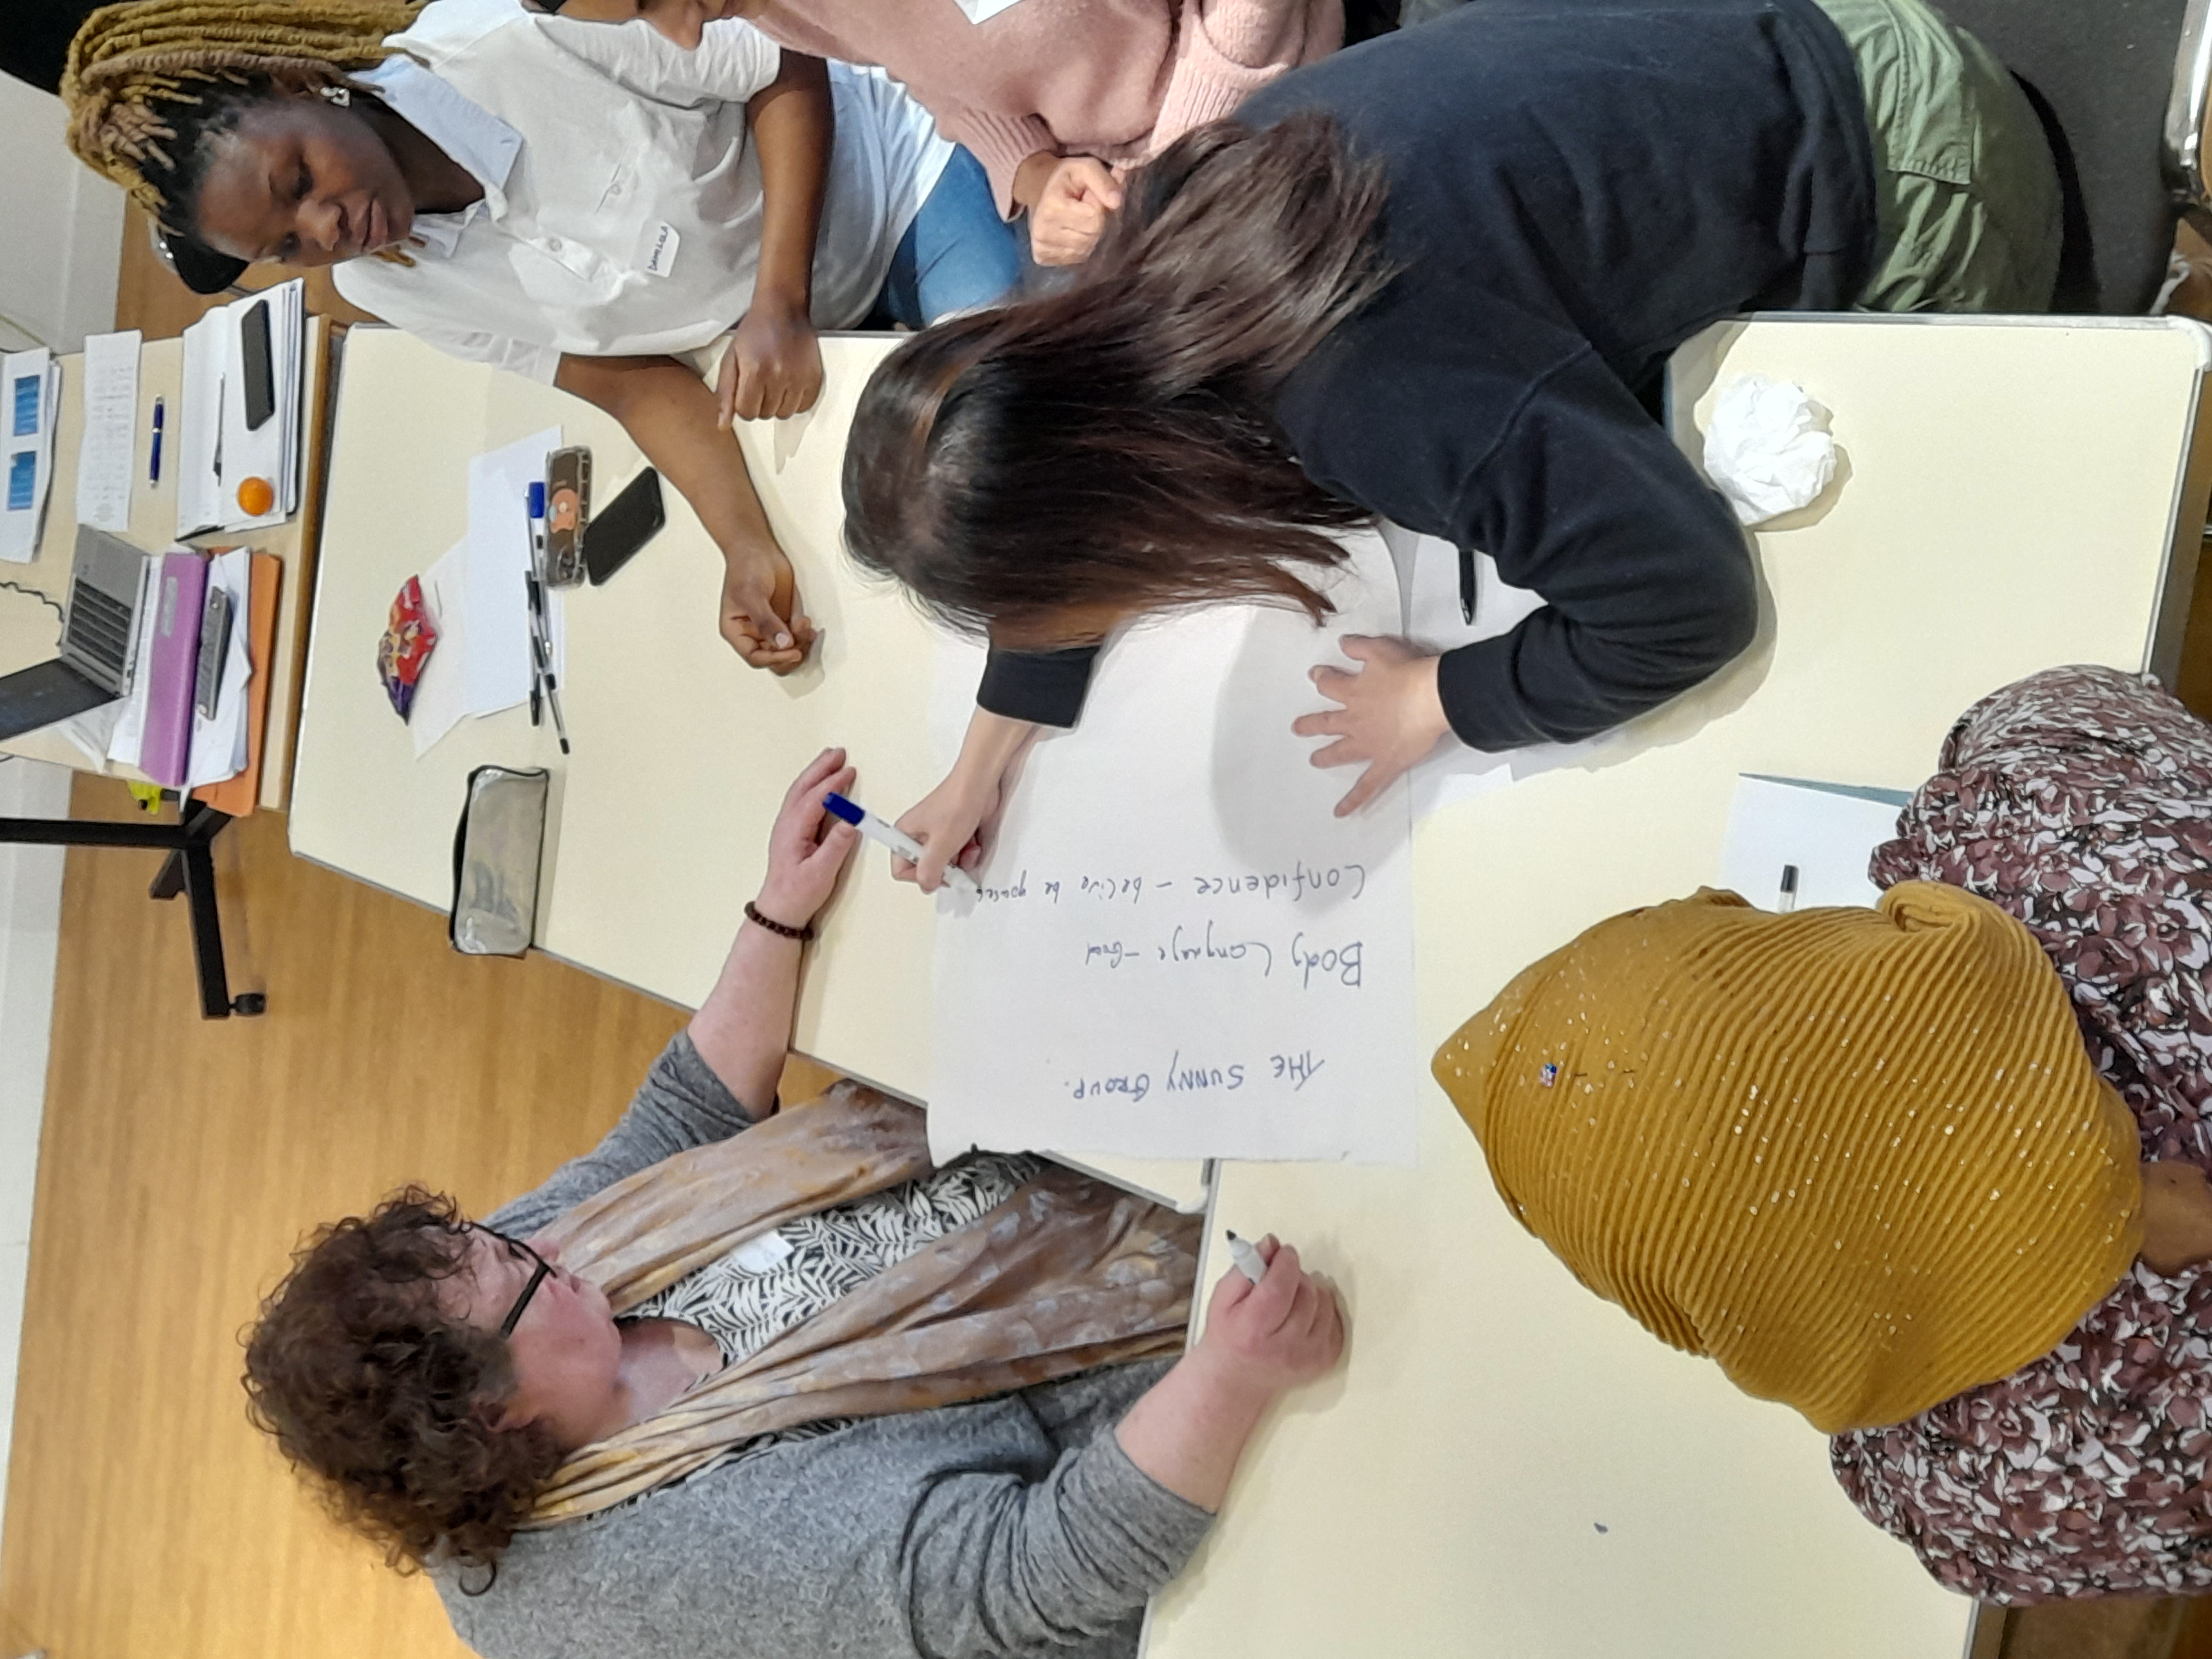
(897, 839)
(537, 510)
(154, 465)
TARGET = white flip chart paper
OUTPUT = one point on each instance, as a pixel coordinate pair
(1179, 951)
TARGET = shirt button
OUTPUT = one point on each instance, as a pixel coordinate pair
(552, 244)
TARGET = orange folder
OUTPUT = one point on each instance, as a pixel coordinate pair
(239, 796)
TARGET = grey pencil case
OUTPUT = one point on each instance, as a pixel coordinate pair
(497, 850)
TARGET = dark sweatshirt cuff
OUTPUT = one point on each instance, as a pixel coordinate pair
(1486, 709)
(1045, 688)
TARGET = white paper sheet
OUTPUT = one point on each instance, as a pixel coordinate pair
(1180, 952)
(195, 426)
(498, 560)
(107, 452)
(30, 401)
(441, 694)
(219, 745)
(1824, 832)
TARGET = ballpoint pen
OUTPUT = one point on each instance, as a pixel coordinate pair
(541, 661)
(154, 464)
(533, 580)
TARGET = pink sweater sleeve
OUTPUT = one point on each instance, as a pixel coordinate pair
(1000, 142)
(1229, 49)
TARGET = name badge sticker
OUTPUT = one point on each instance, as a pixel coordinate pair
(657, 251)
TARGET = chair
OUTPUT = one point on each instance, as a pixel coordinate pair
(2121, 86)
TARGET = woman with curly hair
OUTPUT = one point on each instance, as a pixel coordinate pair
(750, 1382)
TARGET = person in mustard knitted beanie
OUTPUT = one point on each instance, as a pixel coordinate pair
(1860, 1158)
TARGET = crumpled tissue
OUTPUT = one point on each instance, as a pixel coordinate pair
(1768, 448)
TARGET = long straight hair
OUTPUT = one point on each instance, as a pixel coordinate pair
(1111, 447)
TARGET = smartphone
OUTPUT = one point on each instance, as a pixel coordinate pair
(260, 375)
(568, 512)
(215, 647)
(632, 519)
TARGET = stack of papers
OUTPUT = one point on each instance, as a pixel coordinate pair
(30, 400)
(218, 447)
(218, 746)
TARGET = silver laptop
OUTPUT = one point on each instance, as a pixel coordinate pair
(98, 629)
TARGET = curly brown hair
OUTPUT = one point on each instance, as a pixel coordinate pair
(381, 1398)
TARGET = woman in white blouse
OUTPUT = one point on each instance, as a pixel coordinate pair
(581, 204)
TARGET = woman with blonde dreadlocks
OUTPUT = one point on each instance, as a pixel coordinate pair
(583, 205)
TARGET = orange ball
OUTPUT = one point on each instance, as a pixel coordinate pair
(256, 497)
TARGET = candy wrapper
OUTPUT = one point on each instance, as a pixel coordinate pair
(409, 637)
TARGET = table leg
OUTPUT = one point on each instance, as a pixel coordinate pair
(190, 870)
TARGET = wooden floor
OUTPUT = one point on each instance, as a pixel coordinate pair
(145, 1519)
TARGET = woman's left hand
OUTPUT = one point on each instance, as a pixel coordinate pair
(1391, 716)
(807, 848)
(773, 366)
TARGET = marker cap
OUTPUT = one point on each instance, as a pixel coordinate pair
(839, 807)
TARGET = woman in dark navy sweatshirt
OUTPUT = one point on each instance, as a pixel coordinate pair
(1436, 279)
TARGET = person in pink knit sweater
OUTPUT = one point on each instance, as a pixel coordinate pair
(1057, 99)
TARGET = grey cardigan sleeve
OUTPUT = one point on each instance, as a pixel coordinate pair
(996, 1566)
(682, 1103)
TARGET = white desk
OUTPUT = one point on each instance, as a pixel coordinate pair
(2015, 498)
(28, 631)
(682, 754)
(1507, 1466)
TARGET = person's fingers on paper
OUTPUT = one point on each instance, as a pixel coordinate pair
(1345, 751)
(1334, 684)
(1379, 776)
(1322, 723)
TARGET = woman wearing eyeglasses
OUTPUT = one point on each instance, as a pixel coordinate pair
(748, 1382)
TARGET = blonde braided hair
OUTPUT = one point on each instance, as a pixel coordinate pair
(132, 67)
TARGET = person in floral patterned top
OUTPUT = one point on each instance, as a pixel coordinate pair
(2080, 800)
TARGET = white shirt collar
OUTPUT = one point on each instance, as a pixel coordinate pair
(465, 130)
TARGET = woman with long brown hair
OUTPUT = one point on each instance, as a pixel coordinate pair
(1436, 279)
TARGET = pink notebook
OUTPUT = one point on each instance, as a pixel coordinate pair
(179, 592)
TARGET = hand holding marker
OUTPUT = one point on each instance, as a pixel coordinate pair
(897, 839)
(1246, 1259)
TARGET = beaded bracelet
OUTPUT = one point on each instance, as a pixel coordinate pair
(802, 934)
